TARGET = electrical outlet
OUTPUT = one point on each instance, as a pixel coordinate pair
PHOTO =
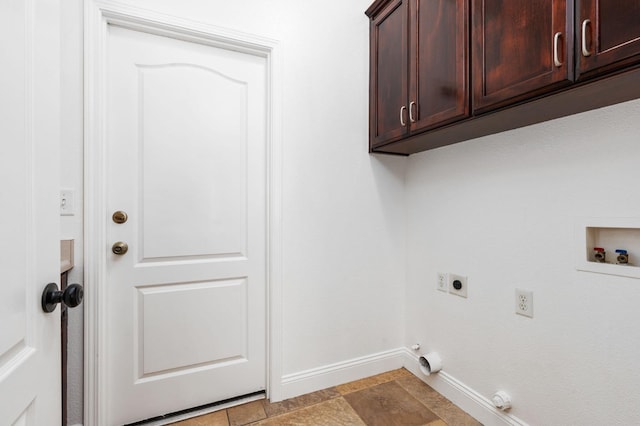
(524, 303)
(442, 282)
(457, 285)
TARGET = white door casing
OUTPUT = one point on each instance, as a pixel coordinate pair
(196, 273)
(30, 250)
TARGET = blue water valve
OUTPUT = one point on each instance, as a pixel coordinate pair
(623, 256)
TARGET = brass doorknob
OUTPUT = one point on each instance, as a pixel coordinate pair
(120, 248)
(119, 217)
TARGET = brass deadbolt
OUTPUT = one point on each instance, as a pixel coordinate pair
(119, 217)
(120, 248)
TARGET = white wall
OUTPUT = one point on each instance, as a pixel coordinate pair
(501, 210)
(343, 210)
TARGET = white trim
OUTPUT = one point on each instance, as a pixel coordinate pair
(98, 15)
(461, 395)
(341, 372)
(274, 224)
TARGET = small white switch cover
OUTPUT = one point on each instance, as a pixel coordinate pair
(67, 202)
(442, 282)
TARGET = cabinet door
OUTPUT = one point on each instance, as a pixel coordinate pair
(439, 38)
(389, 116)
(521, 48)
(609, 34)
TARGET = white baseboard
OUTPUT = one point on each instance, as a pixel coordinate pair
(342, 372)
(478, 406)
(463, 396)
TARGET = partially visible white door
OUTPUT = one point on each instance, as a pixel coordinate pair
(29, 221)
(185, 135)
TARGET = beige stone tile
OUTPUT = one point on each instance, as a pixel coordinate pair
(246, 413)
(218, 418)
(422, 392)
(389, 404)
(372, 381)
(278, 408)
(332, 412)
(445, 409)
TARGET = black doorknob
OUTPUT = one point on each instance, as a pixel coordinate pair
(71, 296)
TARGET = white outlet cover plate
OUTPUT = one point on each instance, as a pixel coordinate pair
(524, 303)
(463, 291)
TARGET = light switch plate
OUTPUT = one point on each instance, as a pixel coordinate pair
(67, 202)
(442, 283)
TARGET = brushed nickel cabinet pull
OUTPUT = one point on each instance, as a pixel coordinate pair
(556, 60)
(402, 110)
(411, 117)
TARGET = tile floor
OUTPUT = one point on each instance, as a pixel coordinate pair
(395, 398)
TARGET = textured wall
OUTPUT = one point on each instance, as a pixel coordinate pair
(502, 210)
(343, 214)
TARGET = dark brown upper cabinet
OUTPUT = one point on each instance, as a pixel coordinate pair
(389, 71)
(607, 35)
(521, 49)
(522, 62)
(419, 66)
(439, 62)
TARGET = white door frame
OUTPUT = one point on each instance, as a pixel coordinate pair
(98, 15)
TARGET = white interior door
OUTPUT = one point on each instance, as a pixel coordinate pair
(185, 135)
(29, 221)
